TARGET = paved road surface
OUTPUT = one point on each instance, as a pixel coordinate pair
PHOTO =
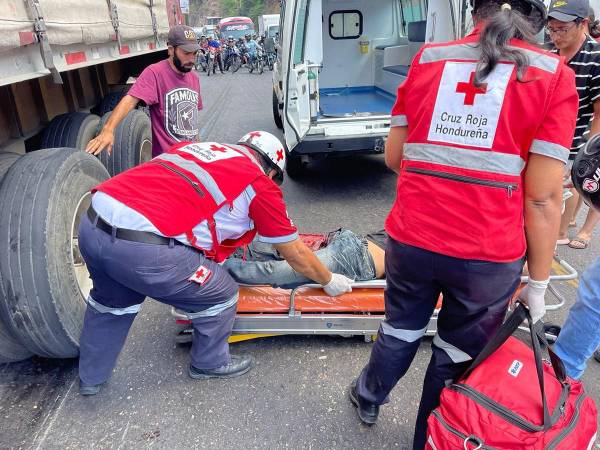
(296, 395)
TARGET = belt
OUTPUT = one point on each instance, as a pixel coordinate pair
(129, 235)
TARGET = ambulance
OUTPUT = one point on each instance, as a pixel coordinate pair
(339, 63)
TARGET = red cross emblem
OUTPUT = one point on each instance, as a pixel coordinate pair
(216, 148)
(279, 155)
(254, 134)
(470, 90)
(201, 275)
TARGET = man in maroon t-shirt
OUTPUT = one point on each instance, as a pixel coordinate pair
(172, 92)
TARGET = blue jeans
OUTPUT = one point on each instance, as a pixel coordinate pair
(346, 253)
(580, 336)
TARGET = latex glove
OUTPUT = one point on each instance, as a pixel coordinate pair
(338, 285)
(532, 295)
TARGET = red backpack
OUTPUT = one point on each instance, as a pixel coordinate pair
(497, 404)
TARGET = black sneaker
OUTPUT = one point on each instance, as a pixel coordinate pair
(89, 389)
(239, 365)
(368, 412)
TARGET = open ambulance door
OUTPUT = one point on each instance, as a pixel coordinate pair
(443, 20)
(296, 108)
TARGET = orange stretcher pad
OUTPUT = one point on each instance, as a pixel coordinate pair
(266, 299)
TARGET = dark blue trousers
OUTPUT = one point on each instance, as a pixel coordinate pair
(124, 273)
(476, 296)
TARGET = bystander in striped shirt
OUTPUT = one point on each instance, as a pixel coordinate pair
(586, 64)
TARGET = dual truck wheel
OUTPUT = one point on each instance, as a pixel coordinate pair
(43, 195)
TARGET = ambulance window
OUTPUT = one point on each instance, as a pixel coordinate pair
(412, 11)
(346, 24)
(300, 31)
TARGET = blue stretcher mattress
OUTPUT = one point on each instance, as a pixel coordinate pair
(350, 100)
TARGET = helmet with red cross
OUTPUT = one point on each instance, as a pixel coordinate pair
(270, 148)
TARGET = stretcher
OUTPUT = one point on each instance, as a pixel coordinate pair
(307, 310)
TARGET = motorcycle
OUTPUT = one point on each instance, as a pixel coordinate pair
(270, 59)
(212, 61)
(256, 61)
(201, 62)
(233, 59)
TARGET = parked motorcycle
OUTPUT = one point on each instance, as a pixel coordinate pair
(201, 62)
(256, 61)
(270, 59)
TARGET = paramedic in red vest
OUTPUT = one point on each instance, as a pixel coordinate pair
(481, 134)
(161, 229)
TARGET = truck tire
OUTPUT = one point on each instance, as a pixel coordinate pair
(73, 130)
(276, 113)
(110, 102)
(42, 274)
(10, 349)
(133, 143)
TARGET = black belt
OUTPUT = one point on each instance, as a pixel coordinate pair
(129, 235)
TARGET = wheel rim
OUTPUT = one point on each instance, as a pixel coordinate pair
(145, 152)
(77, 262)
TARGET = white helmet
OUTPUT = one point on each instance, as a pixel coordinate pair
(270, 147)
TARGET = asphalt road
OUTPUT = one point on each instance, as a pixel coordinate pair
(296, 395)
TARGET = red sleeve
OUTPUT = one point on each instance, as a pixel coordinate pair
(269, 213)
(146, 87)
(554, 137)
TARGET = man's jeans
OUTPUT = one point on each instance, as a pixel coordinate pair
(580, 336)
(346, 253)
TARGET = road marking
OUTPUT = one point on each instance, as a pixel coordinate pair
(56, 412)
(561, 271)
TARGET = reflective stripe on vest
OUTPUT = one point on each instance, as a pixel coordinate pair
(202, 175)
(484, 161)
(470, 52)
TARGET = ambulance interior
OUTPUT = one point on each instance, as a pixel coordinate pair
(360, 51)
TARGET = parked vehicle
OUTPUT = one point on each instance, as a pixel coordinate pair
(237, 27)
(268, 25)
(54, 72)
(270, 58)
(339, 64)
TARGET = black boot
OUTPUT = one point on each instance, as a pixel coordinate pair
(368, 412)
(239, 365)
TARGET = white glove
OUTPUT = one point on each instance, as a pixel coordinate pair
(532, 295)
(338, 285)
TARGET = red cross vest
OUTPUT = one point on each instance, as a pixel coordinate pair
(460, 187)
(185, 186)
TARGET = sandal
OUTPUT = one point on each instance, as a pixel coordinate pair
(563, 241)
(579, 243)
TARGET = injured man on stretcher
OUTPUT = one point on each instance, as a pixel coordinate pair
(360, 258)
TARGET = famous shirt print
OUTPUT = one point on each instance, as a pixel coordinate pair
(181, 114)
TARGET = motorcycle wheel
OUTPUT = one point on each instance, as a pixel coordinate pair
(250, 66)
(209, 67)
(237, 63)
(261, 66)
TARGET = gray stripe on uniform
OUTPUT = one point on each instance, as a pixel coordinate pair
(134, 309)
(403, 335)
(202, 175)
(485, 161)
(213, 310)
(550, 149)
(399, 121)
(455, 354)
(473, 52)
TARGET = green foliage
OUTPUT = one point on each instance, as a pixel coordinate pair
(248, 8)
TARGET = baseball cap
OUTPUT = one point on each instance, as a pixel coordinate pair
(569, 10)
(184, 37)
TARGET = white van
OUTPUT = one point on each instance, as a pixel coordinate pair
(339, 65)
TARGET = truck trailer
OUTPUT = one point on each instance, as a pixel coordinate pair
(64, 65)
